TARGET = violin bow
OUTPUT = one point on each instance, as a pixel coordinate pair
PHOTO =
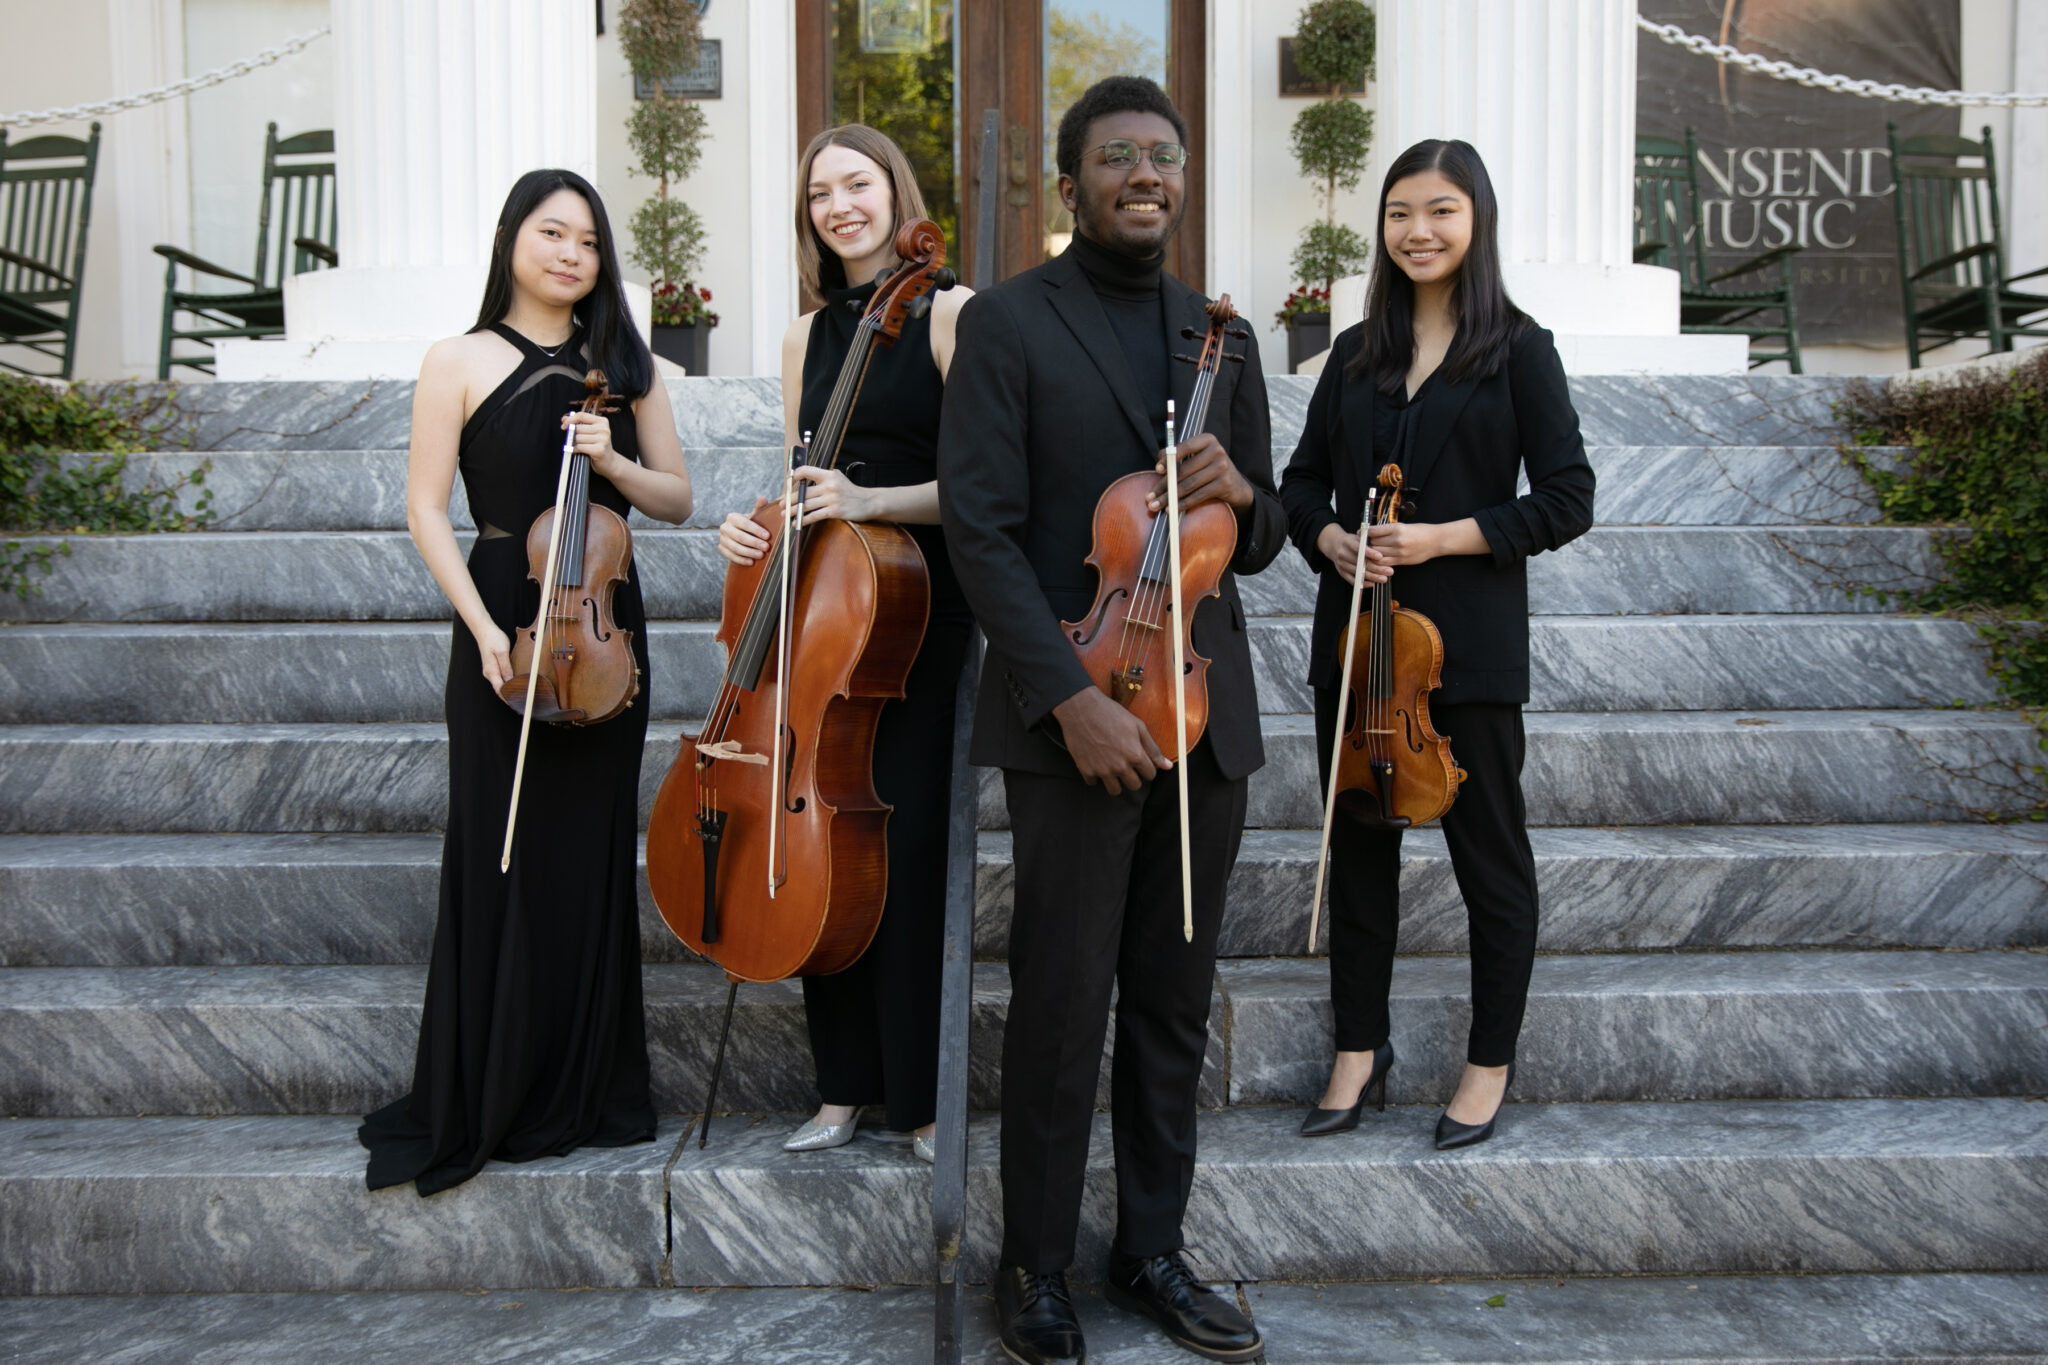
(1315, 907)
(1180, 683)
(540, 645)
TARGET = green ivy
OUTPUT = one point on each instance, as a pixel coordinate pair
(1978, 459)
(41, 490)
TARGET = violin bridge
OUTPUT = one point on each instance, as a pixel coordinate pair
(730, 751)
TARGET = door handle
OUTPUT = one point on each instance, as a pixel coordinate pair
(1020, 166)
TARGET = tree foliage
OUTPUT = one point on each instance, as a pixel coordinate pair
(64, 467)
(1332, 138)
(1334, 41)
(660, 38)
(1330, 250)
(1979, 460)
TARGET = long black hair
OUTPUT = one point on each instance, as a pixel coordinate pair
(1487, 317)
(610, 339)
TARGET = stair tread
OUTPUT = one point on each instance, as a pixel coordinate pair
(1731, 1320)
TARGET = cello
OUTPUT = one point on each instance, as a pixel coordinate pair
(1385, 748)
(573, 665)
(1147, 569)
(766, 851)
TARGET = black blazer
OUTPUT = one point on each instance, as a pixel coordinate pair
(1469, 439)
(1041, 414)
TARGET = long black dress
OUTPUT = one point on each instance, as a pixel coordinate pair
(532, 1041)
(875, 1026)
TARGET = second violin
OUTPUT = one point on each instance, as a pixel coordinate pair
(1386, 753)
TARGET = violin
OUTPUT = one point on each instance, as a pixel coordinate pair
(1148, 569)
(766, 851)
(573, 665)
(1385, 749)
(588, 673)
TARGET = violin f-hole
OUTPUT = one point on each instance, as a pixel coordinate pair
(1093, 626)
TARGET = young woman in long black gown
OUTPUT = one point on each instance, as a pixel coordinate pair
(874, 1027)
(532, 1041)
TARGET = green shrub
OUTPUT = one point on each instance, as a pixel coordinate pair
(1332, 138)
(1979, 459)
(41, 491)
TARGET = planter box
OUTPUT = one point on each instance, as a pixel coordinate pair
(689, 347)
(1308, 334)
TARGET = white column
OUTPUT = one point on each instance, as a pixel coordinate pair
(1545, 90)
(1230, 95)
(772, 154)
(440, 105)
(147, 151)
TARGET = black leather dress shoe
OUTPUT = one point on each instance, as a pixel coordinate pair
(1166, 1291)
(1037, 1318)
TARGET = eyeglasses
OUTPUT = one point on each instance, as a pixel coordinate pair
(1120, 154)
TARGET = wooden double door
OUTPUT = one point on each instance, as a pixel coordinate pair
(924, 70)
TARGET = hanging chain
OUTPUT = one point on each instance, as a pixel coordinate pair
(30, 117)
(1841, 85)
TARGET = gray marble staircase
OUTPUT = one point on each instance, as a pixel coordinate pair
(1790, 1017)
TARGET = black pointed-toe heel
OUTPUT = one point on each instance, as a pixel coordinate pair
(1451, 1133)
(1323, 1122)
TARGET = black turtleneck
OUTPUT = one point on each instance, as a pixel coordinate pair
(1129, 289)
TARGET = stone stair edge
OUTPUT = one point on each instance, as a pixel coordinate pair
(1711, 1187)
(118, 900)
(1602, 1027)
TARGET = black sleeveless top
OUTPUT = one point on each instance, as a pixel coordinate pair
(892, 435)
(510, 454)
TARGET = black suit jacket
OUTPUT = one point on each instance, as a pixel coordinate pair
(1041, 415)
(1469, 440)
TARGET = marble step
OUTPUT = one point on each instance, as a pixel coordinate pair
(378, 576)
(1640, 1320)
(355, 672)
(1738, 410)
(169, 900)
(183, 1205)
(355, 490)
(1634, 768)
(93, 1041)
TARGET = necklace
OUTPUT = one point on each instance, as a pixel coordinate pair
(558, 348)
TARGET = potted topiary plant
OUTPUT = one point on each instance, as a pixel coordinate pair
(659, 38)
(1333, 44)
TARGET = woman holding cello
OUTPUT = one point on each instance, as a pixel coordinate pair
(1452, 383)
(874, 1027)
(532, 1040)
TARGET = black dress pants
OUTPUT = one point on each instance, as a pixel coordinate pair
(875, 1026)
(1487, 830)
(1098, 904)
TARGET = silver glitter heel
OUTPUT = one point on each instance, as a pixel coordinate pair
(925, 1149)
(814, 1136)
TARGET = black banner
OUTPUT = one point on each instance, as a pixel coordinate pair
(1784, 163)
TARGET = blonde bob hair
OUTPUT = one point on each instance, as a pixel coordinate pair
(817, 266)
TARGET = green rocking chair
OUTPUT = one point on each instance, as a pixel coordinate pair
(1952, 248)
(45, 208)
(298, 211)
(1671, 232)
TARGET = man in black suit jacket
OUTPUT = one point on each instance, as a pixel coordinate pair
(1058, 388)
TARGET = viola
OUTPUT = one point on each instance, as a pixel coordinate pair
(587, 671)
(573, 665)
(1149, 569)
(766, 851)
(1127, 640)
(1386, 753)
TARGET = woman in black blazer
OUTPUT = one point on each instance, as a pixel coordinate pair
(1449, 380)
